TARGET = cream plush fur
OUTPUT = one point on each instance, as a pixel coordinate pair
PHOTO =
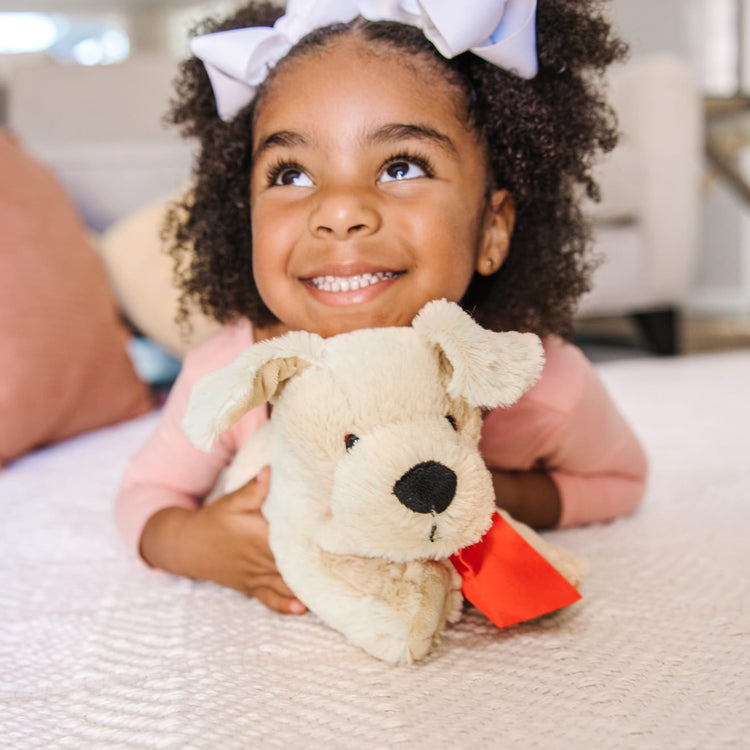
(365, 425)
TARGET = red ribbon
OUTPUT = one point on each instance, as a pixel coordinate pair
(507, 580)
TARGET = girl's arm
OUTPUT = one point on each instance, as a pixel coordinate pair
(564, 455)
(168, 471)
(531, 497)
(158, 507)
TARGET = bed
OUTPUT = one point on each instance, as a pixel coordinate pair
(96, 651)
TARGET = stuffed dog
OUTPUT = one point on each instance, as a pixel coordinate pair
(376, 476)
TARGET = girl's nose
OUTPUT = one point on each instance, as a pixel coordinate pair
(343, 213)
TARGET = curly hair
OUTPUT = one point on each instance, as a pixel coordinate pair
(542, 153)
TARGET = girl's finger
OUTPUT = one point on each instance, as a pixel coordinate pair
(251, 495)
(285, 605)
(271, 581)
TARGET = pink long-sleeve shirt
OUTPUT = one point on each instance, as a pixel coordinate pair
(567, 424)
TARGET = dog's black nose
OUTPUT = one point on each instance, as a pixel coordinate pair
(428, 487)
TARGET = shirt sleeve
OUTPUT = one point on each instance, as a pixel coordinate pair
(168, 471)
(569, 426)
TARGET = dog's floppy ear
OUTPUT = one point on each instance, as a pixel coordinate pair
(257, 375)
(486, 368)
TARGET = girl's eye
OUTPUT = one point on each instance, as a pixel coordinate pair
(402, 169)
(452, 421)
(290, 176)
(350, 440)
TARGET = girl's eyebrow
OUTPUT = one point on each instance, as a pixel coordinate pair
(406, 132)
(283, 138)
(385, 134)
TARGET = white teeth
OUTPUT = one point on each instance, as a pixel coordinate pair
(350, 283)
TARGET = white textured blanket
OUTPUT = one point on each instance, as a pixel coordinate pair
(98, 652)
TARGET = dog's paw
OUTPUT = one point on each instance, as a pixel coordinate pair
(454, 601)
(397, 610)
(571, 566)
(436, 597)
(433, 600)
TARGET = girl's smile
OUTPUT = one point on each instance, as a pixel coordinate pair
(368, 192)
(343, 284)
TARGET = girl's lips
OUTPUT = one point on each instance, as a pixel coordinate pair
(338, 284)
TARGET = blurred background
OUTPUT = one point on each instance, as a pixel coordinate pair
(673, 228)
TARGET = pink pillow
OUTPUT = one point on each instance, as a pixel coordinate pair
(64, 368)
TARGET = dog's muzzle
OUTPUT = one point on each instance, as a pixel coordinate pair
(428, 487)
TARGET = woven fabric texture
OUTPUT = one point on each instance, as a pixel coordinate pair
(96, 651)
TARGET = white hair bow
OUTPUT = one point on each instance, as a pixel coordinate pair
(502, 32)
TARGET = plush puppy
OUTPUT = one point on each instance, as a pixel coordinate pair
(376, 478)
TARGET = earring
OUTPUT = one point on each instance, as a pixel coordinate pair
(490, 264)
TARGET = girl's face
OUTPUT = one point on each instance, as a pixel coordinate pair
(368, 192)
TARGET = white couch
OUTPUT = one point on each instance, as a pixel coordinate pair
(647, 226)
(101, 130)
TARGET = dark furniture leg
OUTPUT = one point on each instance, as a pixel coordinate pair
(660, 329)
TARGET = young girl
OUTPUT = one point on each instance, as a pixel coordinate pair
(352, 168)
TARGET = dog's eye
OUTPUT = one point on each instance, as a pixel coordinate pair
(452, 421)
(350, 440)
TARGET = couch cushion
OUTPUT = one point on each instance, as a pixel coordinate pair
(617, 176)
(618, 173)
(140, 274)
(65, 368)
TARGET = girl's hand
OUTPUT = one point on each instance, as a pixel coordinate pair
(225, 542)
